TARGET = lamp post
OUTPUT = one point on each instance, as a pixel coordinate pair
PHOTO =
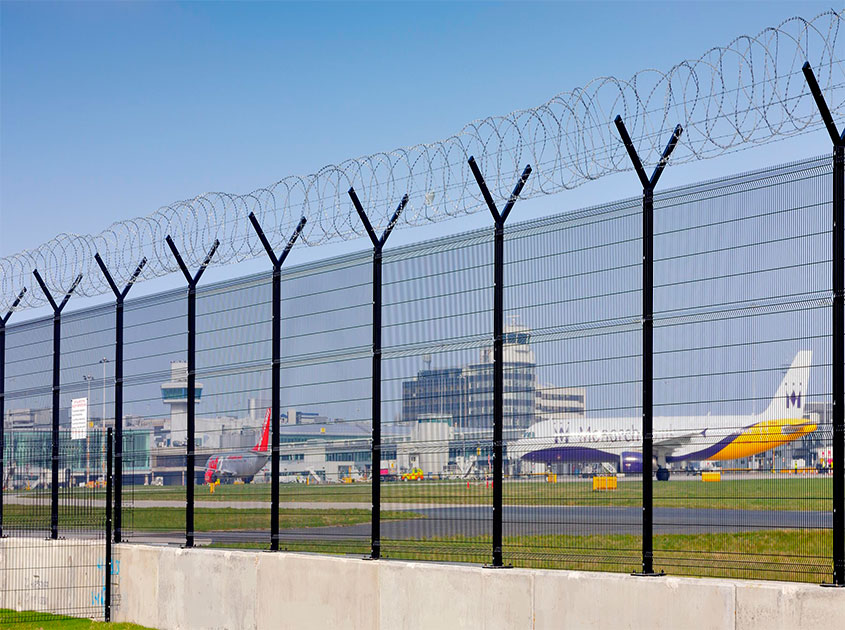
(87, 378)
(104, 360)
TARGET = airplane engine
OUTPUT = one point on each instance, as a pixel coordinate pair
(632, 462)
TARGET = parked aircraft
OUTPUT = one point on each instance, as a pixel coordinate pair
(240, 465)
(676, 438)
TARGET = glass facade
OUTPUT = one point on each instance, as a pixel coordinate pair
(466, 395)
(26, 447)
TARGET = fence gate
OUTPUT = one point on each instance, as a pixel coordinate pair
(41, 576)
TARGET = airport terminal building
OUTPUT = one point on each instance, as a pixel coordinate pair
(465, 394)
(444, 428)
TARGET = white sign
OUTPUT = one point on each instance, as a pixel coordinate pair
(78, 418)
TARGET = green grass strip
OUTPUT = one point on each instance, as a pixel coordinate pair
(795, 555)
(775, 493)
(31, 620)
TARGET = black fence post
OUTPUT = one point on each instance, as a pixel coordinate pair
(57, 356)
(276, 378)
(192, 378)
(838, 329)
(498, 346)
(108, 567)
(120, 296)
(3, 321)
(648, 333)
(378, 246)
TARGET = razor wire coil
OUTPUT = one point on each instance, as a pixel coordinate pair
(749, 92)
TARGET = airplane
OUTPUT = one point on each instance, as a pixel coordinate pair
(676, 438)
(240, 465)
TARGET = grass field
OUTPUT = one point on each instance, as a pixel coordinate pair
(28, 620)
(205, 519)
(782, 493)
(799, 556)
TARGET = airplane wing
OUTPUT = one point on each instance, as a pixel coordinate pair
(668, 446)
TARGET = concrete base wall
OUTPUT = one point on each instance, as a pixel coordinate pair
(175, 589)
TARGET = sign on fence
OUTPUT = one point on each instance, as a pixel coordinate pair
(78, 418)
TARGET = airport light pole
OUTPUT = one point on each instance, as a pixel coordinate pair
(87, 378)
(104, 360)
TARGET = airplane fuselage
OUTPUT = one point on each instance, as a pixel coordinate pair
(690, 438)
(241, 465)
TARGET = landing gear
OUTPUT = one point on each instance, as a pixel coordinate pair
(662, 474)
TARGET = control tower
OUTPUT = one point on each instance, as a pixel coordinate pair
(516, 346)
(175, 394)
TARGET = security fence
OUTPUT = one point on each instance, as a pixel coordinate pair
(653, 385)
(742, 301)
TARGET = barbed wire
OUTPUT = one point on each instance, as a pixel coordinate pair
(749, 92)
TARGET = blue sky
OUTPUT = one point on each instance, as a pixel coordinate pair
(111, 110)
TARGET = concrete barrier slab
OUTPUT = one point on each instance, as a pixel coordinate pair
(421, 595)
(507, 599)
(571, 599)
(305, 591)
(779, 606)
(137, 586)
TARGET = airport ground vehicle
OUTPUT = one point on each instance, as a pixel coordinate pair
(415, 474)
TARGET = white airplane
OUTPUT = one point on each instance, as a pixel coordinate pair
(676, 438)
(241, 464)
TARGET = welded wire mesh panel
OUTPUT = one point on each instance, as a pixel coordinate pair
(232, 470)
(572, 366)
(325, 438)
(29, 364)
(155, 341)
(437, 411)
(42, 576)
(27, 482)
(87, 372)
(742, 376)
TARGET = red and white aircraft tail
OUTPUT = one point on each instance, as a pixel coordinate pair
(261, 447)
